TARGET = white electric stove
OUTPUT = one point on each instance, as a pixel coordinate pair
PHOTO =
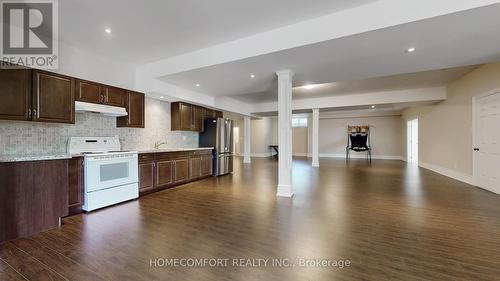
(111, 175)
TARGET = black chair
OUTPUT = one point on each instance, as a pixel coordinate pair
(358, 142)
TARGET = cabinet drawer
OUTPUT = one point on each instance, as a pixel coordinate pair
(149, 157)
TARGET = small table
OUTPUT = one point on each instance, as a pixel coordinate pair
(275, 147)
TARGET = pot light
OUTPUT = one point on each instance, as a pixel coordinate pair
(252, 75)
(309, 87)
(373, 106)
(411, 50)
(107, 30)
(197, 85)
(161, 97)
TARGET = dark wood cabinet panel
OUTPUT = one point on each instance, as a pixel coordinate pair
(15, 94)
(33, 197)
(53, 97)
(164, 171)
(75, 185)
(206, 165)
(186, 117)
(218, 114)
(146, 176)
(114, 96)
(134, 104)
(195, 167)
(87, 91)
(198, 117)
(181, 170)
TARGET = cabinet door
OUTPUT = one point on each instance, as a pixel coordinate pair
(218, 114)
(53, 97)
(198, 117)
(135, 109)
(164, 170)
(186, 116)
(195, 167)
(146, 176)
(206, 165)
(114, 96)
(15, 94)
(87, 91)
(75, 186)
(181, 170)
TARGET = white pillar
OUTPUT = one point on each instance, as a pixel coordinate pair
(285, 133)
(315, 137)
(246, 139)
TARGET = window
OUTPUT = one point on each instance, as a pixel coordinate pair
(299, 122)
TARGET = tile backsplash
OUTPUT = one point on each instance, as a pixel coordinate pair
(18, 137)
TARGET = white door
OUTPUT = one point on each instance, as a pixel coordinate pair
(487, 142)
(412, 137)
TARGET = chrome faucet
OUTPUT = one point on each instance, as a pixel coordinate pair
(158, 144)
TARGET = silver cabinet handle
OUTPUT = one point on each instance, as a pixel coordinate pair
(29, 113)
(35, 113)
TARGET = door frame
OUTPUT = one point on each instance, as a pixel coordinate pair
(409, 146)
(475, 161)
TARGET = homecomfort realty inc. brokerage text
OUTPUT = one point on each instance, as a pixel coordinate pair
(249, 262)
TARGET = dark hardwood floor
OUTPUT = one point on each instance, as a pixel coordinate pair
(390, 220)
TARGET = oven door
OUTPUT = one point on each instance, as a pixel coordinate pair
(104, 171)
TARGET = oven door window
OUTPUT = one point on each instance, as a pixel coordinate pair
(114, 171)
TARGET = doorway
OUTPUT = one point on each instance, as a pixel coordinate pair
(486, 141)
(412, 138)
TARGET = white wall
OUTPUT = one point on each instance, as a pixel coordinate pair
(445, 129)
(385, 135)
(81, 64)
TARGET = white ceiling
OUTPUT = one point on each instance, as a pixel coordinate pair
(466, 38)
(145, 31)
(425, 79)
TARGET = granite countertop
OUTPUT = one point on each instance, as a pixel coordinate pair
(42, 157)
(34, 157)
(174, 149)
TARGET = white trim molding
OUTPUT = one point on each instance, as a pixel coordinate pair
(459, 176)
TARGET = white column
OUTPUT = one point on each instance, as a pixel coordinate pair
(246, 139)
(315, 137)
(285, 133)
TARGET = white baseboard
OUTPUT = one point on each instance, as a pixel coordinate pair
(260, 155)
(448, 172)
(327, 155)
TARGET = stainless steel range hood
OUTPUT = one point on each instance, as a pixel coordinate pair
(107, 110)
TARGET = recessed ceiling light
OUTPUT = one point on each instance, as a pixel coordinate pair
(309, 87)
(252, 75)
(373, 106)
(197, 85)
(411, 50)
(161, 97)
(107, 30)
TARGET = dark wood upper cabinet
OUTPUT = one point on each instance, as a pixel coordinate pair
(87, 91)
(114, 96)
(15, 94)
(53, 97)
(134, 104)
(188, 117)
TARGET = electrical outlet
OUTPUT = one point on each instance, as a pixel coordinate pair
(184, 138)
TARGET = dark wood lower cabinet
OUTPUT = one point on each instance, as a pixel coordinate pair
(162, 170)
(194, 167)
(33, 197)
(75, 185)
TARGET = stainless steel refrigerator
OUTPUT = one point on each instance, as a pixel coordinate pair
(218, 133)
